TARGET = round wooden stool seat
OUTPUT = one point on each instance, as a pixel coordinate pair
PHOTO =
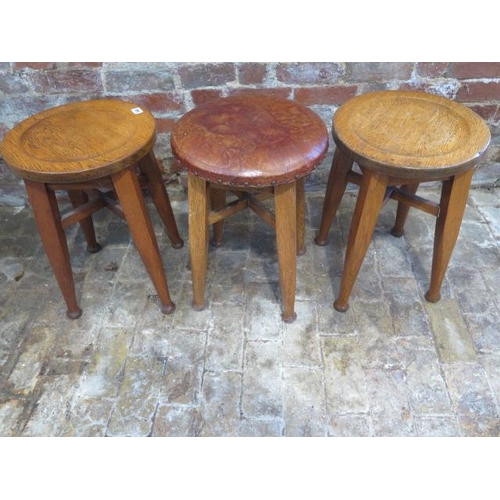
(80, 141)
(256, 146)
(410, 134)
(400, 139)
(100, 151)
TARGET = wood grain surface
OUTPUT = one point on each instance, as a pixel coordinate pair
(407, 134)
(79, 141)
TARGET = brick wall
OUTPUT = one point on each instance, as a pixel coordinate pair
(170, 89)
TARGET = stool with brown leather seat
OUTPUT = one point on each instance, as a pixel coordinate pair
(255, 146)
(400, 139)
(101, 152)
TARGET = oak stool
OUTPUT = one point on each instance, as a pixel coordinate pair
(400, 139)
(101, 153)
(257, 147)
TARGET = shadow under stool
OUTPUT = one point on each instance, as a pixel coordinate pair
(400, 139)
(255, 147)
(101, 153)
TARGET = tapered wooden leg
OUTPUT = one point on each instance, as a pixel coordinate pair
(301, 216)
(199, 202)
(403, 210)
(285, 198)
(48, 219)
(79, 198)
(336, 186)
(149, 167)
(130, 195)
(217, 201)
(368, 205)
(454, 196)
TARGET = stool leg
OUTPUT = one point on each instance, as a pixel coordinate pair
(217, 201)
(149, 167)
(79, 198)
(285, 198)
(403, 209)
(337, 183)
(130, 195)
(48, 219)
(198, 200)
(301, 216)
(368, 205)
(454, 196)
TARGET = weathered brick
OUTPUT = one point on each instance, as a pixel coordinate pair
(81, 64)
(19, 107)
(220, 415)
(225, 344)
(304, 402)
(318, 73)
(204, 95)
(137, 398)
(476, 69)
(390, 413)
(432, 69)
(452, 338)
(71, 81)
(3, 130)
(50, 416)
(427, 389)
(473, 400)
(10, 413)
(175, 421)
(103, 373)
(182, 382)
(349, 425)
(34, 65)
(158, 102)
(207, 75)
(13, 83)
(491, 365)
(479, 91)
(254, 427)
(164, 125)
(262, 394)
(436, 426)
(486, 111)
(301, 344)
(345, 384)
(138, 81)
(324, 95)
(172, 165)
(377, 71)
(283, 92)
(252, 73)
(446, 88)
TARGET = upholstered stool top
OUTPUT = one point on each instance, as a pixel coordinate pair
(402, 133)
(79, 141)
(250, 140)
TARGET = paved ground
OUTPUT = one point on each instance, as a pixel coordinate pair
(393, 365)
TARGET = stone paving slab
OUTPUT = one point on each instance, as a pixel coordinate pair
(392, 365)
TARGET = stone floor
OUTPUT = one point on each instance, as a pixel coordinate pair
(392, 365)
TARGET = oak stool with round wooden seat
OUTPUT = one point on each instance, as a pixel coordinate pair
(101, 152)
(400, 139)
(257, 147)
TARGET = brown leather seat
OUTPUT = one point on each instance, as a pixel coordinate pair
(256, 146)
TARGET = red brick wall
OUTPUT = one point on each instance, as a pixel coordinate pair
(171, 89)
